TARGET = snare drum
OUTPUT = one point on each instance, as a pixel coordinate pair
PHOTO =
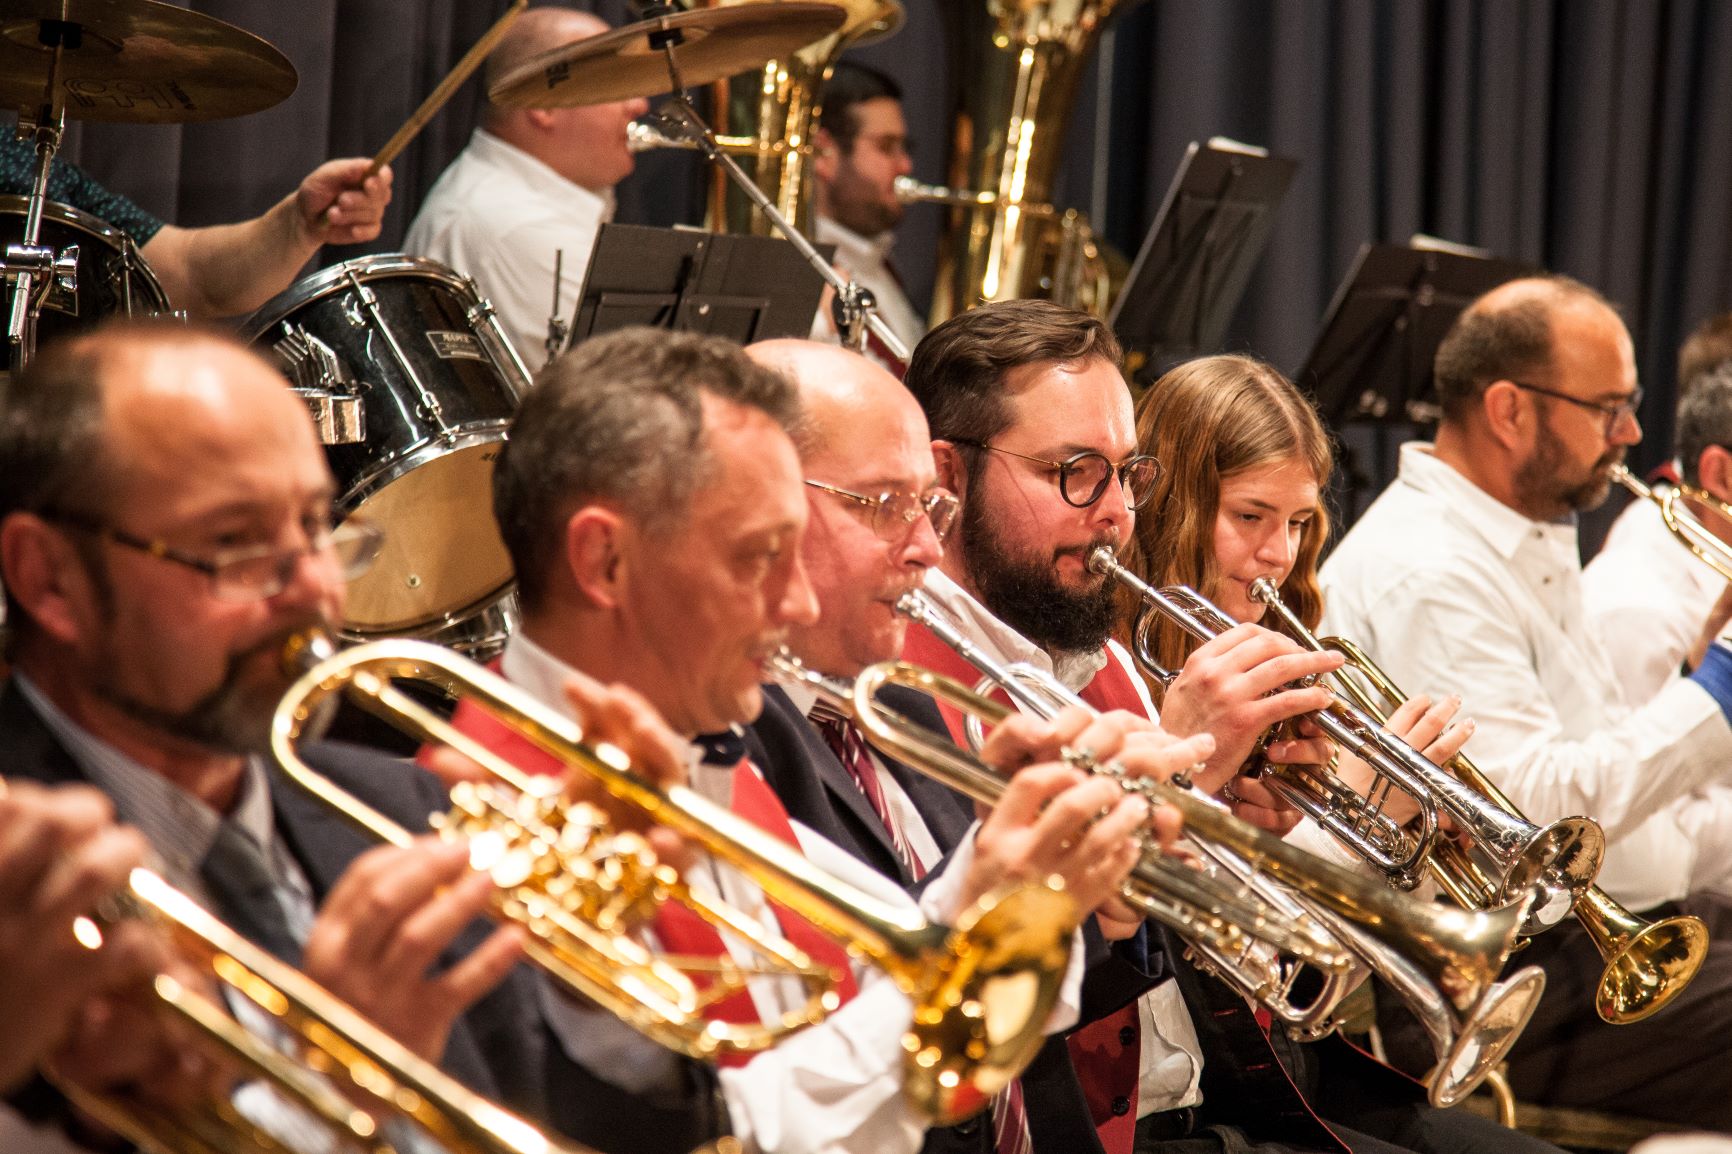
(416, 384)
(113, 280)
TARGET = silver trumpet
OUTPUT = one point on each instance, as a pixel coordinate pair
(1224, 921)
(1442, 962)
(1518, 856)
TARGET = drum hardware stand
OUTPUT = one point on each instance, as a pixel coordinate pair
(323, 382)
(558, 332)
(428, 403)
(855, 311)
(30, 270)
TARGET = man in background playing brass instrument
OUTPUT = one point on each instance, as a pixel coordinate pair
(1465, 576)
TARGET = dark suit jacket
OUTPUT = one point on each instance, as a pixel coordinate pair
(502, 1047)
(821, 794)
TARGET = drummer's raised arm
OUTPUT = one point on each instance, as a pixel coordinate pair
(229, 269)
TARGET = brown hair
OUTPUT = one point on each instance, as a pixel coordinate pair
(958, 370)
(1707, 347)
(1509, 341)
(1206, 420)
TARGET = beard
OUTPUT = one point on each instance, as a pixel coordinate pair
(1542, 482)
(235, 716)
(1025, 592)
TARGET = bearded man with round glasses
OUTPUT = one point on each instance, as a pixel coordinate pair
(165, 528)
(1465, 577)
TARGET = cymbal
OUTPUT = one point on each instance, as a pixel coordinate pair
(137, 62)
(621, 65)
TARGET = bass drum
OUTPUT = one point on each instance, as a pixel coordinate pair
(413, 384)
(113, 279)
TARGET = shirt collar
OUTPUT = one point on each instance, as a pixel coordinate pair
(1002, 642)
(1502, 527)
(851, 247)
(179, 827)
(533, 171)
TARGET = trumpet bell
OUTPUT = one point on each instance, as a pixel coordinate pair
(1647, 963)
(1485, 1036)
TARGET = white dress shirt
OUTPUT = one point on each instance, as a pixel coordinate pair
(867, 263)
(498, 216)
(1648, 598)
(1171, 1066)
(1451, 591)
(836, 1086)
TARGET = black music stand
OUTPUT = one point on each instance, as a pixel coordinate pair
(1370, 368)
(1191, 272)
(744, 288)
(1372, 361)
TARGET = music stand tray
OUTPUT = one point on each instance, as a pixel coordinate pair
(1372, 362)
(744, 288)
(1191, 272)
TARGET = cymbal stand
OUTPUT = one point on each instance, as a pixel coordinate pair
(856, 313)
(30, 270)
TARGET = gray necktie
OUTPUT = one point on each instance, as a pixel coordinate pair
(247, 895)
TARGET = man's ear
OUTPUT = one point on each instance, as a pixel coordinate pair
(952, 473)
(540, 119)
(1714, 473)
(826, 155)
(1508, 415)
(46, 577)
(594, 555)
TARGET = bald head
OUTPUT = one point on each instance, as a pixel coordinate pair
(1510, 333)
(841, 394)
(536, 31)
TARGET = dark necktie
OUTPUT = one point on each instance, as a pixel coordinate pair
(247, 894)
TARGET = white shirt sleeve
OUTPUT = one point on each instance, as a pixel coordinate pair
(1444, 634)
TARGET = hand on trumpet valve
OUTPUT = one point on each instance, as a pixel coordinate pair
(378, 941)
(1254, 802)
(1238, 684)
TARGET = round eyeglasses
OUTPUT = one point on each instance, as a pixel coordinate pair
(1083, 477)
(895, 513)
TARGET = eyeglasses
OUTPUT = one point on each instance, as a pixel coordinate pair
(1613, 411)
(256, 572)
(894, 513)
(1083, 477)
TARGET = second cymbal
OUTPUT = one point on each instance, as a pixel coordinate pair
(621, 65)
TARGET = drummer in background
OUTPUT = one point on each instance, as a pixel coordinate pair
(862, 147)
(531, 183)
(1655, 606)
(223, 270)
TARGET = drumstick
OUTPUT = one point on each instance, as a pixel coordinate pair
(436, 99)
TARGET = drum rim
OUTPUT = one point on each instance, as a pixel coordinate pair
(512, 617)
(323, 282)
(430, 448)
(100, 229)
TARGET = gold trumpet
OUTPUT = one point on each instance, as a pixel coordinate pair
(347, 1077)
(1517, 857)
(983, 991)
(1647, 963)
(1682, 521)
(1443, 965)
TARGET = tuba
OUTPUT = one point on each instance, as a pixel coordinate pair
(1517, 857)
(346, 1076)
(1647, 963)
(1445, 968)
(1682, 521)
(1014, 70)
(581, 890)
(768, 117)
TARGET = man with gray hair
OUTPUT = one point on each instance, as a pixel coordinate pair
(531, 183)
(1657, 607)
